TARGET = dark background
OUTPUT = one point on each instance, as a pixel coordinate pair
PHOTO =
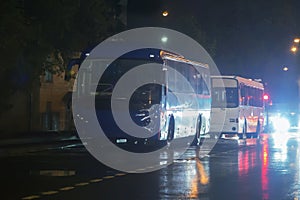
(249, 38)
(246, 38)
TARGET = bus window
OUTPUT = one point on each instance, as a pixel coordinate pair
(231, 97)
(225, 97)
(218, 98)
(243, 95)
(203, 88)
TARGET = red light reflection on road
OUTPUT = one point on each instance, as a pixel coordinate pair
(264, 171)
(243, 161)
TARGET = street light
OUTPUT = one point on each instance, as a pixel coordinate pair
(295, 46)
(165, 13)
(294, 49)
(285, 69)
(266, 101)
(164, 39)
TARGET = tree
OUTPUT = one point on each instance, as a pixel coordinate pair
(35, 35)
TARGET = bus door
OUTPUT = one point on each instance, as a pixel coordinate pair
(225, 106)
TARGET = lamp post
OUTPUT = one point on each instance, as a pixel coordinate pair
(294, 50)
(266, 99)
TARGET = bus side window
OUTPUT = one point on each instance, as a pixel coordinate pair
(250, 96)
(260, 100)
(243, 95)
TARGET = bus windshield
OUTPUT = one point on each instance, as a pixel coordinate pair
(225, 97)
(144, 96)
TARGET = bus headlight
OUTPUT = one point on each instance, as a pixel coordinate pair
(280, 124)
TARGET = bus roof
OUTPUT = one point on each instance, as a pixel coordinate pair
(175, 57)
(246, 81)
(153, 54)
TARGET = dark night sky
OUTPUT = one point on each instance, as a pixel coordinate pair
(253, 37)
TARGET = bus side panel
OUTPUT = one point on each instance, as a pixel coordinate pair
(182, 106)
(253, 117)
(225, 120)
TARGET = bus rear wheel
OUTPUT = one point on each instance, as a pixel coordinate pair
(244, 133)
(171, 129)
(258, 130)
(199, 126)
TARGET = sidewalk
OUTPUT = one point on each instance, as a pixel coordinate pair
(38, 138)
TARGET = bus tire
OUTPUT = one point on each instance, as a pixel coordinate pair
(258, 130)
(198, 130)
(171, 129)
(244, 133)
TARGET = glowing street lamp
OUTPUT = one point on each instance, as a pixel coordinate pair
(165, 13)
(294, 49)
(285, 69)
(164, 39)
(295, 46)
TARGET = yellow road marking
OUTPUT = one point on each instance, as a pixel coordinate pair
(82, 184)
(108, 177)
(142, 169)
(71, 187)
(31, 197)
(96, 180)
(66, 188)
(120, 174)
(132, 172)
(49, 192)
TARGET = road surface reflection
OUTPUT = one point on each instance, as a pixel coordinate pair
(253, 171)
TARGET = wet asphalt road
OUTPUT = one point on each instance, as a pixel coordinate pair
(254, 170)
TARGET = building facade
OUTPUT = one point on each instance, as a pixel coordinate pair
(55, 102)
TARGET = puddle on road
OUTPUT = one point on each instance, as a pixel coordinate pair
(54, 173)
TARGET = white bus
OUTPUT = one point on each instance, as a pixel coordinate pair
(181, 109)
(237, 107)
